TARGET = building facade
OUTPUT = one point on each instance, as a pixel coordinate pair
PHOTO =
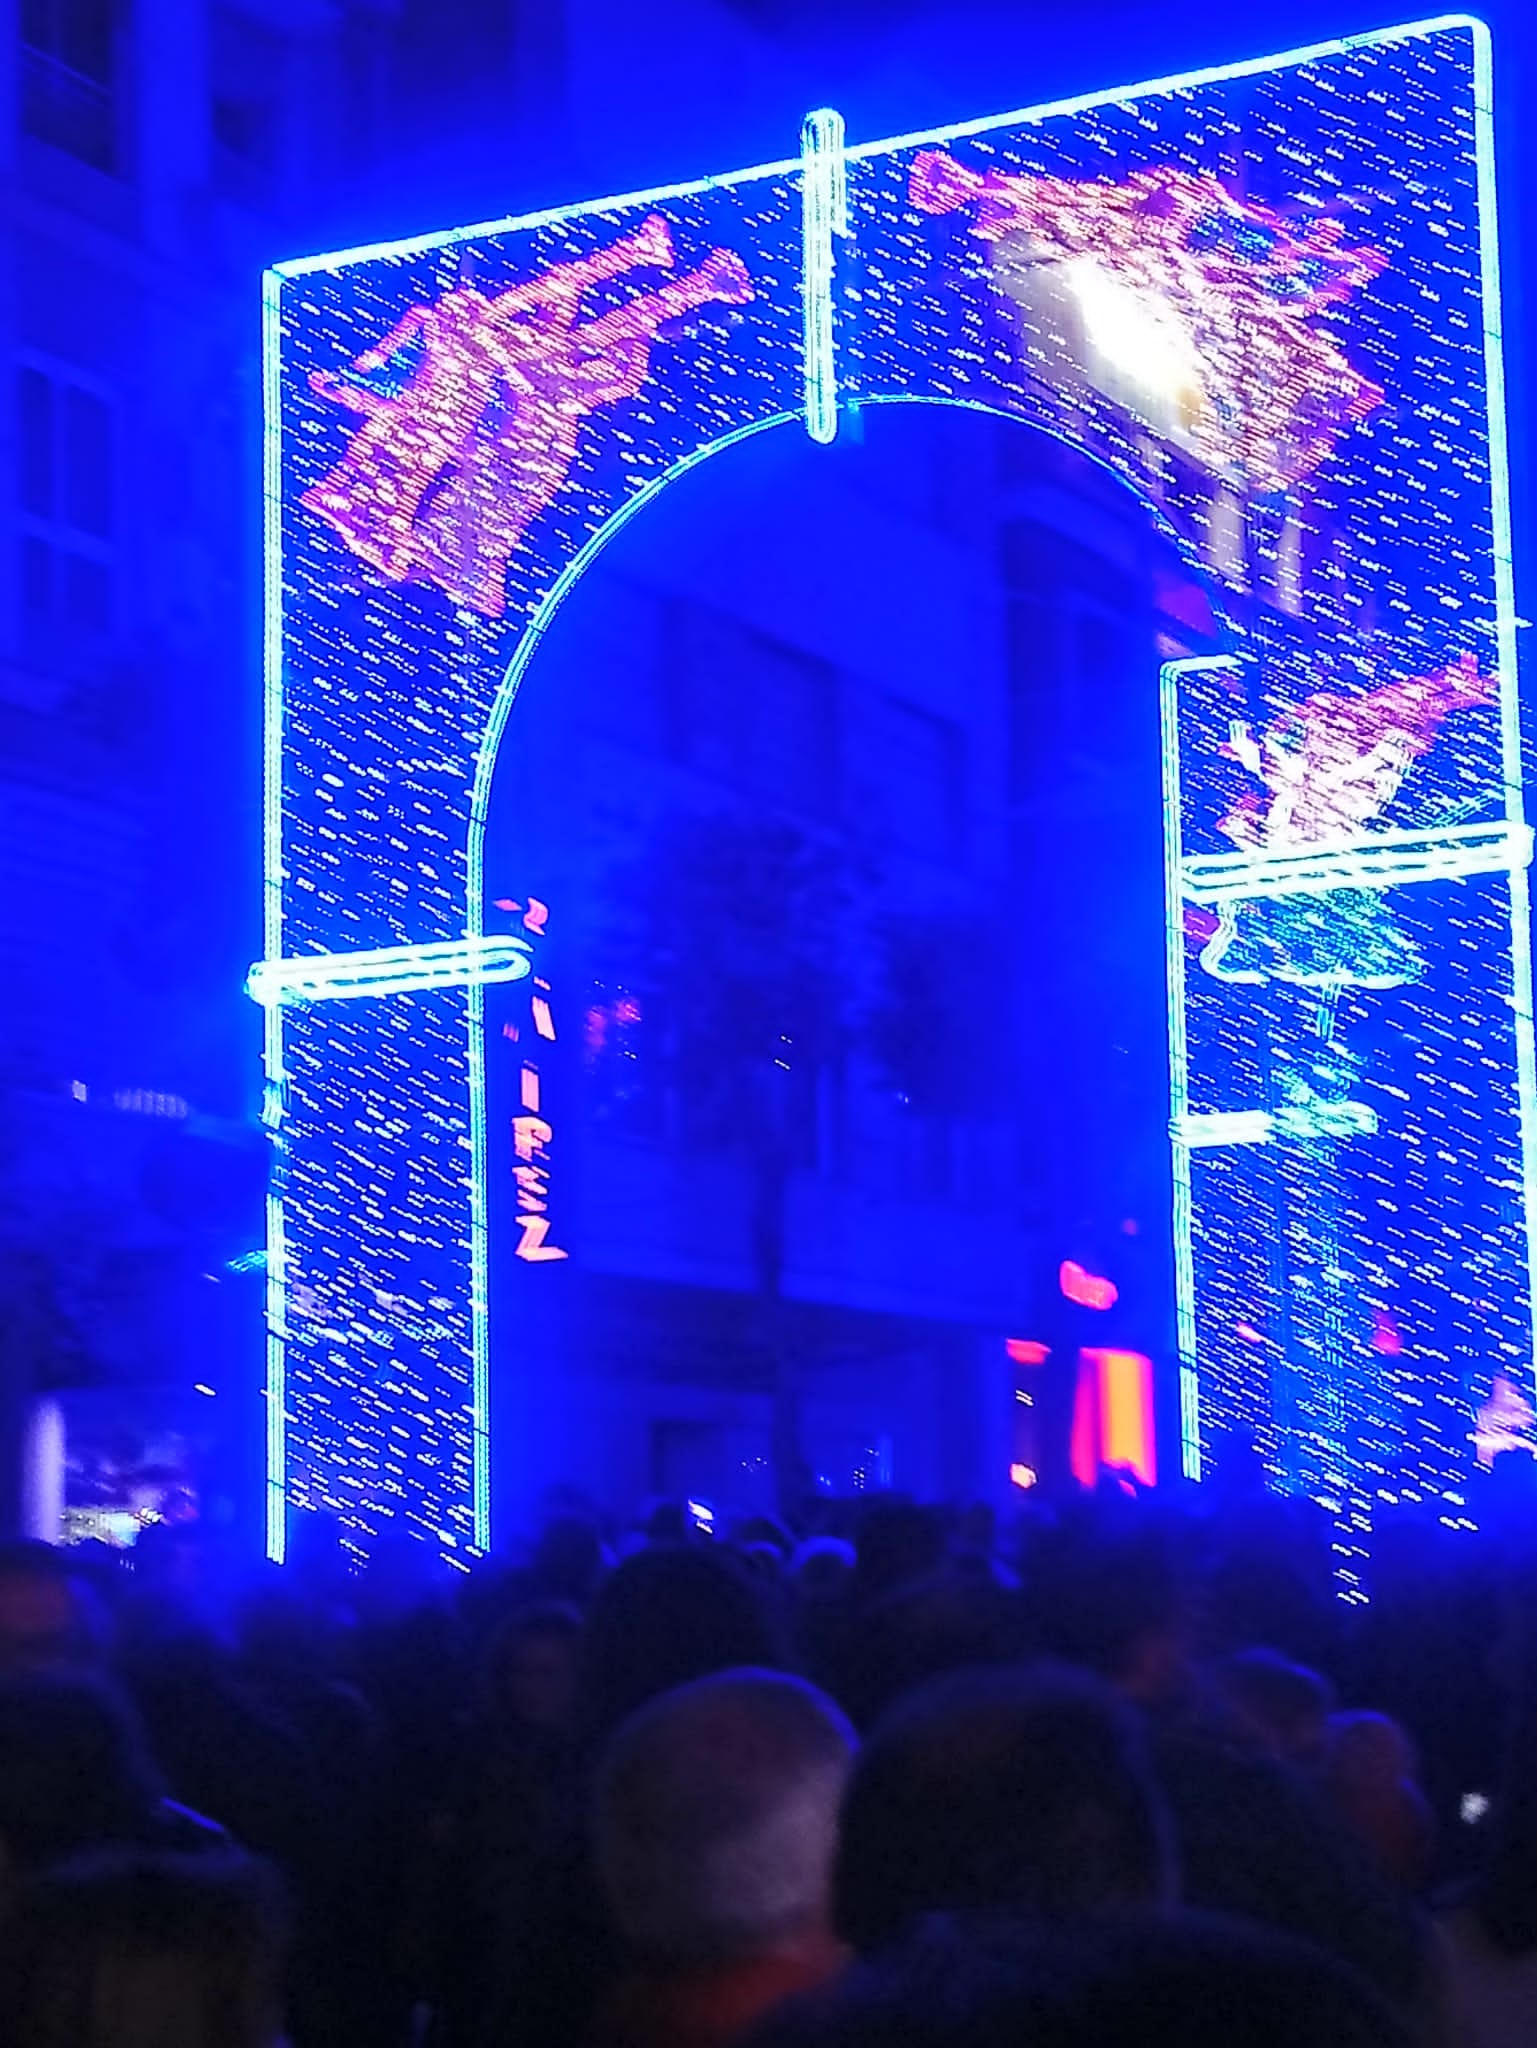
(959, 702)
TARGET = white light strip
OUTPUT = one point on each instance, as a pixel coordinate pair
(623, 202)
(1325, 1120)
(273, 885)
(1197, 1131)
(387, 971)
(1174, 82)
(1511, 745)
(1183, 1216)
(824, 214)
(1385, 860)
(1221, 1127)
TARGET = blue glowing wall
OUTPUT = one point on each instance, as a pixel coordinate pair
(1264, 297)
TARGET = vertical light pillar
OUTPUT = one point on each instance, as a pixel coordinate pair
(825, 215)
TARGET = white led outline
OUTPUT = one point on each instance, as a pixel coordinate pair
(1182, 1205)
(824, 215)
(273, 879)
(1176, 82)
(1158, 520)
(1184, 81)
(1380, 860)
(523, 223)
(389, 970)
(1505, 631)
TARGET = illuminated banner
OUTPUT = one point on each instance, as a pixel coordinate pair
(1266, 298)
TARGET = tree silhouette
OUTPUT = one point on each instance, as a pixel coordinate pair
(760, 957)
(735, 937)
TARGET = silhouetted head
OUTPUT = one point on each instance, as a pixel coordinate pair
(666, 1616)
(1000, 1790)
(140, 1951)
(288, 1627)
(669, 1521)
(1280, 1708)
(1110, 1593)
(569, 1559)
(74, 1770)
(822, 1569)
(48, 1614)
(1123, 1984)
(716, 1818)
(529, 1675)
(759, 1529)
(897, 1543)
(1369, 1774)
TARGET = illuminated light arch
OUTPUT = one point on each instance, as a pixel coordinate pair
(506, 426)
(508, 690)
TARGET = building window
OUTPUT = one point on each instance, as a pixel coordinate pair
(68, 75)
(242, 129)
(753, 713)
(918, 766)
(65, 505)
(248, 64)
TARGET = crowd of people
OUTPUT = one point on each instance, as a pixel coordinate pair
(1127, 1772)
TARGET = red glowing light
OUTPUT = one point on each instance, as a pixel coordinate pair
(1026, 1351)
(1089, 1290)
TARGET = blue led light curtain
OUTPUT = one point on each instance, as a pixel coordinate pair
(1268, 300)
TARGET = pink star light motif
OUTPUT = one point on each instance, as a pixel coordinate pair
(1196, 309)
(454, 461)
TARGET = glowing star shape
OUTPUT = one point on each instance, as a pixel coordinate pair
(1195, 310)
(472, 406)
(1330, 767)
(1504, 1422)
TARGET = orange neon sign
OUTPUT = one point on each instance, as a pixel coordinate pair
(531, 1129)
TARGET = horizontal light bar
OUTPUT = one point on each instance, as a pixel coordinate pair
(1198, 1132)
(1383, 860)
(1221, 1127)
(388, 970)
(1325, 1120)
